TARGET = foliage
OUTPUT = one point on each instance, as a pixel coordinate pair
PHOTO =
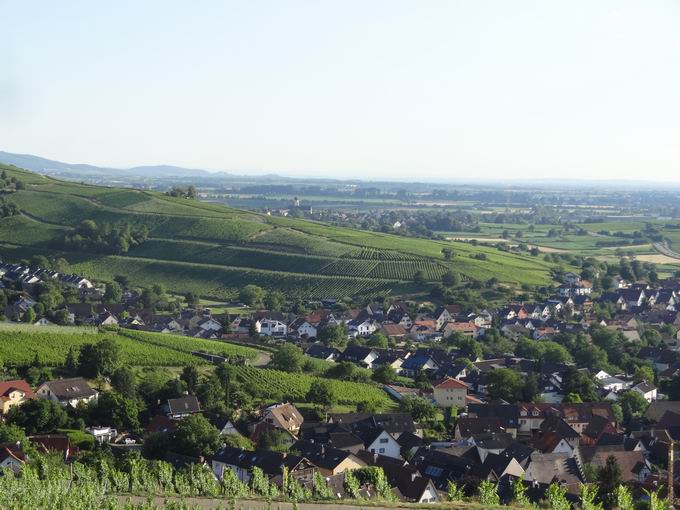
(624, 498)
(455, 492)
(556, 496)
(419, 408)
(38, 416)
(321, 392)
(588, 495)
(288, 358)
(99, 359)
(488, 494)
(195, 435)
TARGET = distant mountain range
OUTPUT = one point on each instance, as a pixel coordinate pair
(74, 171)
(51, 167)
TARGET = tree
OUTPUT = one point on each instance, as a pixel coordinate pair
(275, 301)
(11, 434)
(190, 378)
(333, 334)
(448, 253)
(320, 392)
(633, 404)
(113, 293)
(450, 279)
(288, 358)
(192, 299)
(419, 408)
(251, 295)
(470, 348)
(608, 479)
(196, 436)
(112, 408)
(505, 383)
(384, 374)
(579, 383)
(100, 359)
(378, 340)
(124, 381)
(71, 363)
(644, 373)
(29, 316)
(419, 278)
(38, 416)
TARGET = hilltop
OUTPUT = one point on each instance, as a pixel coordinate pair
(214, 250)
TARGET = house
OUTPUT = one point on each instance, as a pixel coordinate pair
(646, 389)
(102, 434)
(417, 363)
(406, 481)
(209, 324)
(394, 331)
(507, 414)
(320, 351)
(561, 468)
(274, 328)
(68, 392)
(467, 426)
(14, 393)
(467, 329)
(364, 356)
(283, 416)
(394, 423)
(634, 466)
(329, 461)
(178, 408)
(272, 464)
(12, 458)
(450, 393)
(302, 328)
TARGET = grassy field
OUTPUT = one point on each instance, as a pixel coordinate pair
(215, 250)
(19, 344)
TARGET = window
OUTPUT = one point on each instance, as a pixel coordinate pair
(382, 450)
(384, 440)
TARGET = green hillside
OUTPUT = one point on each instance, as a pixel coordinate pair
(214, 250)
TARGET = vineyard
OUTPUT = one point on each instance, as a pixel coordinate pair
(277, 385)
(214, 250)
(20, 346)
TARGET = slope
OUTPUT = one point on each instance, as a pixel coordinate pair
(215, 250)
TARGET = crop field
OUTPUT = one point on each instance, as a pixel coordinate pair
(215, 250)
(19, 346)
(277, 385)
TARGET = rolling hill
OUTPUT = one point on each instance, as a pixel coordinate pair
(214, 250)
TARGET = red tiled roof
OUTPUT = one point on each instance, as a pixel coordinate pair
(18, 384)
(450, 383)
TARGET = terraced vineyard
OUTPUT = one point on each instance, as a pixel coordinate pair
(215, 250)
(20, 345)
(277, 385)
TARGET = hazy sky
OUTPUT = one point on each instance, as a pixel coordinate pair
(419, 89)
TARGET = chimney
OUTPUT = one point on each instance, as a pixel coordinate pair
(323, 451)
(414, 476)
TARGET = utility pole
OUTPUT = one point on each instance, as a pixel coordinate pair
(671, 448)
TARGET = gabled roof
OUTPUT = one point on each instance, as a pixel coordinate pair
(17, 384)
(67, 389)
(184, 405)
(449, 383)
(271, 463)
(320, 455)
(472, 426)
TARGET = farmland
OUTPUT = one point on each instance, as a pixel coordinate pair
(20, 345)
(277, 385)
(214, 250)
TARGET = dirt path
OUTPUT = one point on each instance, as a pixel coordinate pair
(262, 359)
(245, 504)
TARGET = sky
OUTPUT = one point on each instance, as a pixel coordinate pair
(373, 89)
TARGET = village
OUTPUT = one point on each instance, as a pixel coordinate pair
(516, 392)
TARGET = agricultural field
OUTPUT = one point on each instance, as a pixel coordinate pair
(20, 344)
(276, 385)
(214, 250)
